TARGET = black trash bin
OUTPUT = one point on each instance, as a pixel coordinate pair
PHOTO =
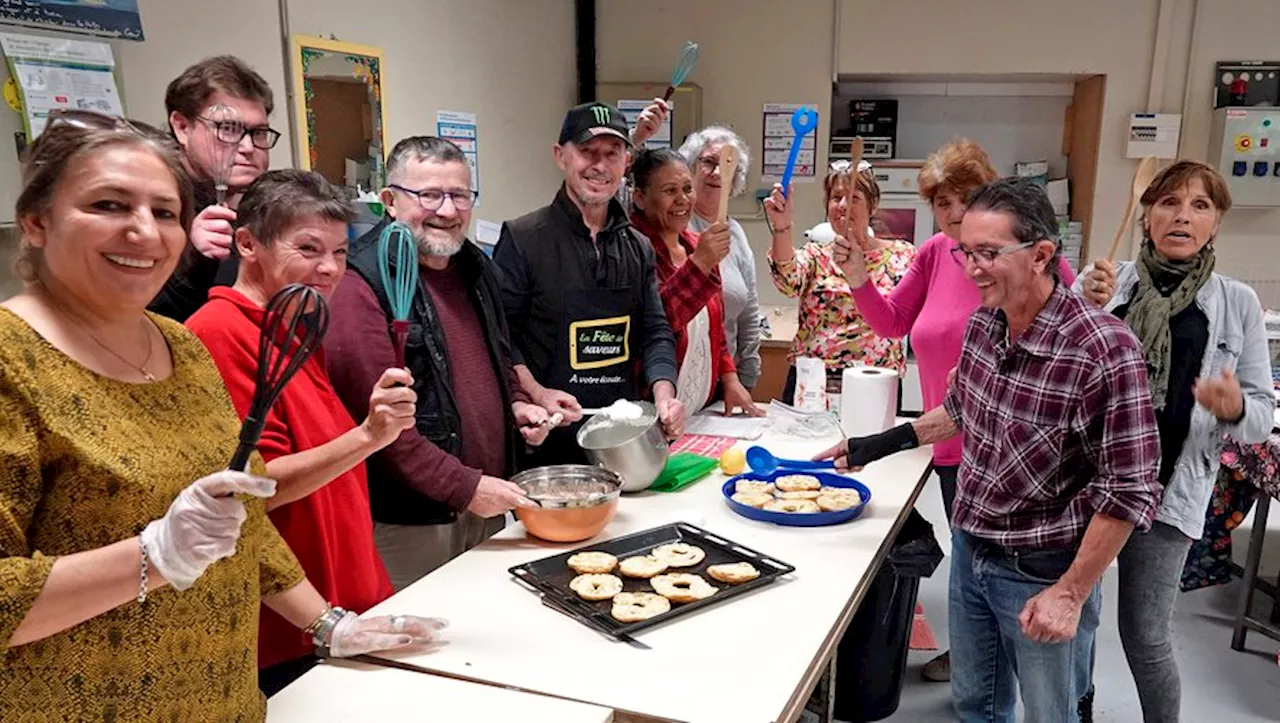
(871, 660)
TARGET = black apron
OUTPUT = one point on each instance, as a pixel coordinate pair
(596, 353)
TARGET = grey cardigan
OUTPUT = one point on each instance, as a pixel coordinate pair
(1237, 341)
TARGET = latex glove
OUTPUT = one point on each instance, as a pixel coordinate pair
(1222, 396)
(1099, 285)
(554, 400)
(671, 411)
(212, 233)
(855, 453)
(1051, 616)
(354, 635)
(713, 247)
(533, 421)
(495, 496)
(201, 526)
(392, 407)
(649, 121)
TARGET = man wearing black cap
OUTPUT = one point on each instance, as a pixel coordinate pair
(580, 291)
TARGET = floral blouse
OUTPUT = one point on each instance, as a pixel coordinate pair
(831, 328)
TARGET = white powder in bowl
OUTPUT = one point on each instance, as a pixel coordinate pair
(624, 410)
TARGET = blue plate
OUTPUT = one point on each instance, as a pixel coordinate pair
(792, 519)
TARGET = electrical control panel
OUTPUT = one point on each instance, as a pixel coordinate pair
(1245, 148)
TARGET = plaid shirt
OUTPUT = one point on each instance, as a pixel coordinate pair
(1058, 427)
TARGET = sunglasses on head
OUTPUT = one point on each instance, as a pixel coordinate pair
(93, 120)
(843, 166)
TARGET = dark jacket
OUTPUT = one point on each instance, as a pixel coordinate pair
(188, 288)
(395, 500)
(550, 250)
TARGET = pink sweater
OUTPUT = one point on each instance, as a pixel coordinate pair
(933, 303)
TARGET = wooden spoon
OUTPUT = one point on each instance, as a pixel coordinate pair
(1142, 178)
(855, 158)
(728, 166)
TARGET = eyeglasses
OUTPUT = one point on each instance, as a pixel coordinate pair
(843, 166)
(432, 199)
(983, 258)
(709, 164)
(232, 132)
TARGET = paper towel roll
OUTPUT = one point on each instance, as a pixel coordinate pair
(868, 400)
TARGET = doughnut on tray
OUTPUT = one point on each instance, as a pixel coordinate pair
(550, 576)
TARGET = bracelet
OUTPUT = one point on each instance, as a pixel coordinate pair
(322, 629)
(777, 231)
(315, 624)
(143, 581)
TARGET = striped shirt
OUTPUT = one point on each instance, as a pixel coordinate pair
(1058, 427)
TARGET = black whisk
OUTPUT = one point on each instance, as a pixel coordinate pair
(292, 328)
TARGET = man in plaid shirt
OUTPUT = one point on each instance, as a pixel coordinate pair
(1061, 455)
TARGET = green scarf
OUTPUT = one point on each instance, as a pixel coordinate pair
(1165, 288)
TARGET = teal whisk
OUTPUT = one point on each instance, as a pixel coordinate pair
(688, 57)
(398, 266)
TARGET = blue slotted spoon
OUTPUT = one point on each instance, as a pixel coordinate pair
(688, 57)
(803, 122)
(398, 267)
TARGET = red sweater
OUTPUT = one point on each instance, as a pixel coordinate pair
(330, 530)
(685, 291)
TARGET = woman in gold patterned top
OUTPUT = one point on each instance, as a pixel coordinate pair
(128, 592)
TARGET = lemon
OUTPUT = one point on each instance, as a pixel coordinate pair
(733, 461)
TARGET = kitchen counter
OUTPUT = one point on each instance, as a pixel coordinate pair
(342, 691)
(752, 660)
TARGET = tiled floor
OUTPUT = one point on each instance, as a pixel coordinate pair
(1219, 684)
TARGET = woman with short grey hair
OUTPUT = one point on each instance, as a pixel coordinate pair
(738, 269)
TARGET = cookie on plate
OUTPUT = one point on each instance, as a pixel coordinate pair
(592, 563)
(632, 607)
(838, 503)
(678, 554)
(751, 485)
(734, 574)
(799, 495)
(752, 499)
(797, 482)
(642, 566)
(793, 506)
(596, 587)
(682, 587)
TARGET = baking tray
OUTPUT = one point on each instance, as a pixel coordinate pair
(550, 576)
(793, 519)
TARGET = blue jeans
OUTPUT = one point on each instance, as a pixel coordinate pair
(990, 654)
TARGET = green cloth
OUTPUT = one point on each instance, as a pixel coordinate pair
(682, 470)
(1165, 288)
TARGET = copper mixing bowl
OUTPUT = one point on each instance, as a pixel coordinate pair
(576, 501)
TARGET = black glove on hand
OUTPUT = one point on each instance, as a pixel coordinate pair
(862, 451)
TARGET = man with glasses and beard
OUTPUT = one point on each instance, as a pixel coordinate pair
(441, 488)
(218, 113)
